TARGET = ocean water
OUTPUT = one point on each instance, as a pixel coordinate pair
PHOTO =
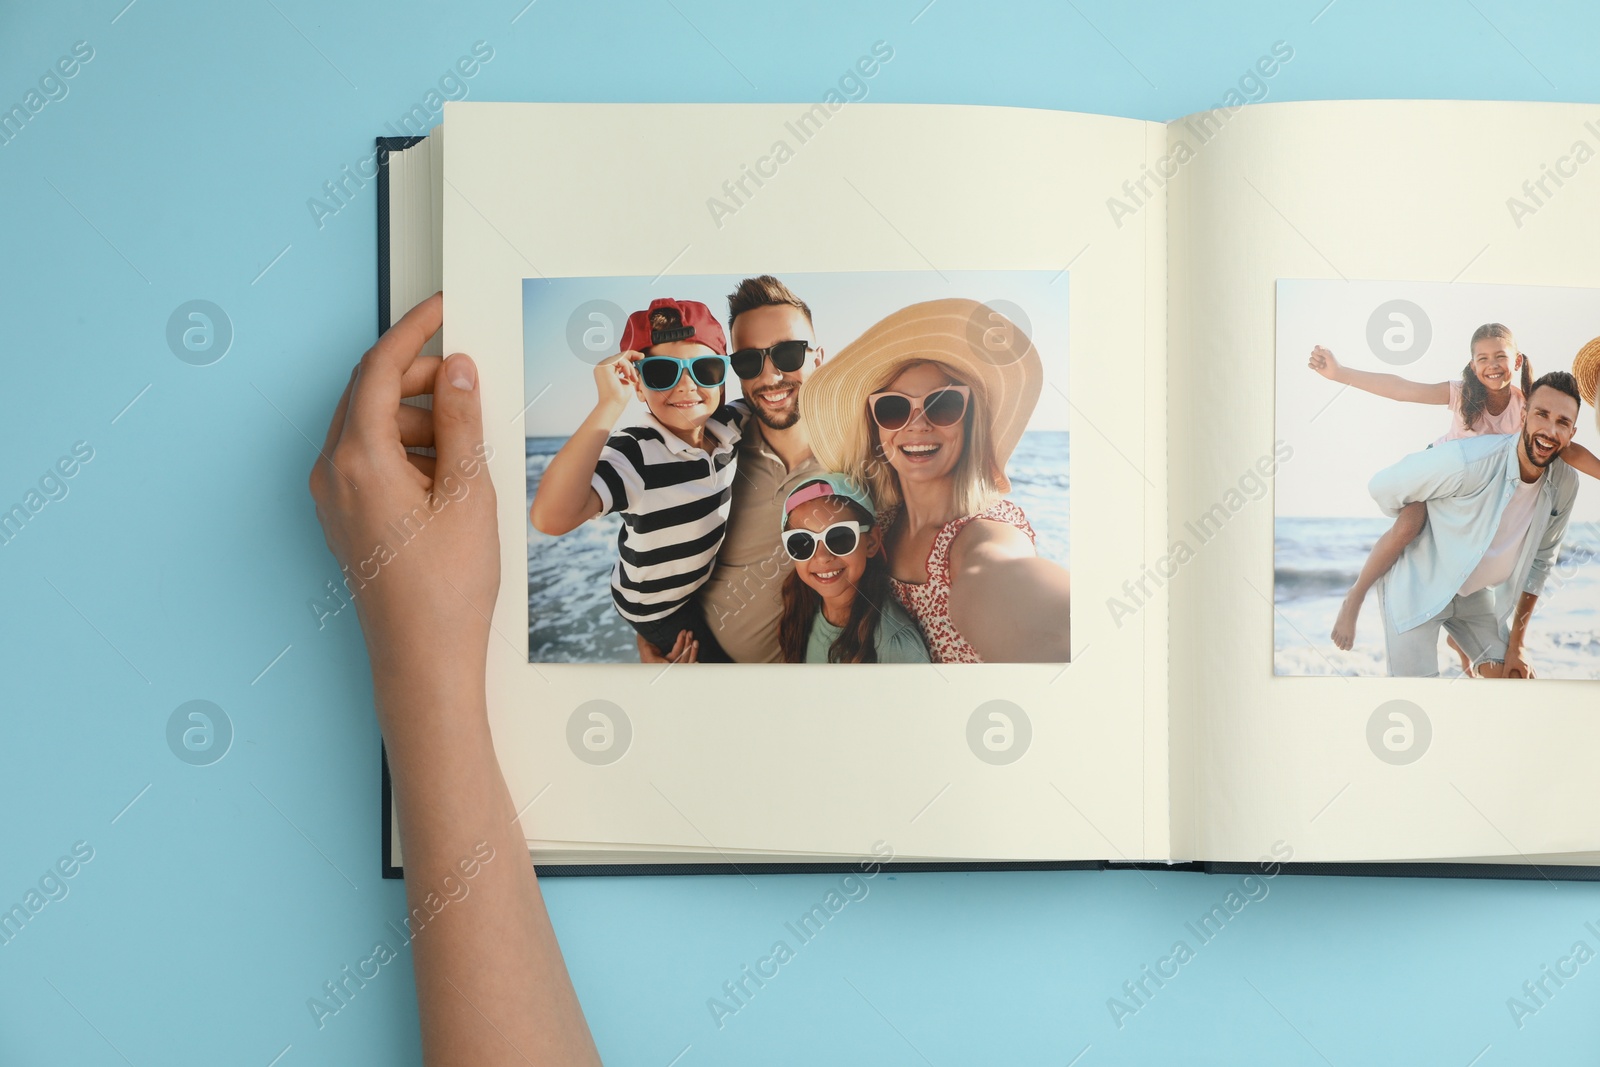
(1316, 560)
(570, 616)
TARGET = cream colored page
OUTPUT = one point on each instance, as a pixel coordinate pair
(1399, 191)
(830, 759)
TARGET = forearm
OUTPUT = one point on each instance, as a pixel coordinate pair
(484, 939)
(1014, 610)
(1394, 387)
(563, 499)
(1519, 624)
(1581, 460)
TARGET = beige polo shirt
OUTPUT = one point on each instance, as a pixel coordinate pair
(743, 598)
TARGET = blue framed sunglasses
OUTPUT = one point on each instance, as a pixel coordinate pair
(661, 373)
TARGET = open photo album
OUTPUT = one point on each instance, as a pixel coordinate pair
(948, 486)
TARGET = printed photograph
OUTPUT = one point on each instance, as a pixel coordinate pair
(798, 468)
(1439, 513)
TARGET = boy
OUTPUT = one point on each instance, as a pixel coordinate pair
(670, 477)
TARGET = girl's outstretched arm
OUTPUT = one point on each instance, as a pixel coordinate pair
(492, 987)
(1581, 459)
(1386, 385)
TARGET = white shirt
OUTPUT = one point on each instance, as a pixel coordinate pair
(1501, 555)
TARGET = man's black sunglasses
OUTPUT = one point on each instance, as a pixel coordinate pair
(787, 356)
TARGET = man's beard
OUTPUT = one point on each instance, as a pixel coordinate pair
(1533, 457)
(777, 420)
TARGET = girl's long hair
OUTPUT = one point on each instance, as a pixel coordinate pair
(1474, 394)
(856, 642)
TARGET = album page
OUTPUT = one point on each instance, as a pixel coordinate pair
(979, 336)
(1366, 299)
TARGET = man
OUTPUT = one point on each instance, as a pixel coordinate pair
(1498, 506)
(743, 598)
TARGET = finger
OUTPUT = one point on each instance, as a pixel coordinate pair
(418, 378)
(336, 424)
(379, 380)
(416, 426)
(424, 464)
(457, 415)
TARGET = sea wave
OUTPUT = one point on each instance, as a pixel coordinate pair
(1316, 560)
(1291, 583)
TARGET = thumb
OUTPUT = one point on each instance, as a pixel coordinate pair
(457, 418)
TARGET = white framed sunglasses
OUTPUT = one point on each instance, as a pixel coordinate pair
(841, 538)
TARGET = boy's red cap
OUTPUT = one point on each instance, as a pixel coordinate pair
(673, 320)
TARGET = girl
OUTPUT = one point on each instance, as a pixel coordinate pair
(1483, 400)
(837, 605)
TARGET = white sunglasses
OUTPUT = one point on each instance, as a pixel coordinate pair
(841, 538)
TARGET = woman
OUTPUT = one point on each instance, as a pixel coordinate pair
(924, 409)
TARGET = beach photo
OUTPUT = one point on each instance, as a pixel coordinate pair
(827, 468)
(1440, 513)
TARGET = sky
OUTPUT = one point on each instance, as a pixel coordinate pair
(559, 382)
(1342, 437)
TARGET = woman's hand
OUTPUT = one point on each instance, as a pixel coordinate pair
(415, 536)
(1323, 363)
(417, 540)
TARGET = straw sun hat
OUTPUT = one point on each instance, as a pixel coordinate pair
(1586, 368)
(983, 347)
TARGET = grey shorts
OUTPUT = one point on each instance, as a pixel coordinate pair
(1470, 619)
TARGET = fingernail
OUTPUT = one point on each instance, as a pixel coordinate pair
(463, 375)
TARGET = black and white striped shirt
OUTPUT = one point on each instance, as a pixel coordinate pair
(674, 501)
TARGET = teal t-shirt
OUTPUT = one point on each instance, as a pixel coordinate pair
(897, 637)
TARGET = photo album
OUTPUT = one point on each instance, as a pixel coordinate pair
(952, 487)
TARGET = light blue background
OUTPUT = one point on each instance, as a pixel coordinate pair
(180, 565)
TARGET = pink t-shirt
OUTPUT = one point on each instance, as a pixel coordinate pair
(1508, 421)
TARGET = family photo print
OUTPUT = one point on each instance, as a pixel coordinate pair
(1440, 516)
(798, 468)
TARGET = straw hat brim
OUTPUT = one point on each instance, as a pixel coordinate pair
(1586, 368)
(980, 345)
